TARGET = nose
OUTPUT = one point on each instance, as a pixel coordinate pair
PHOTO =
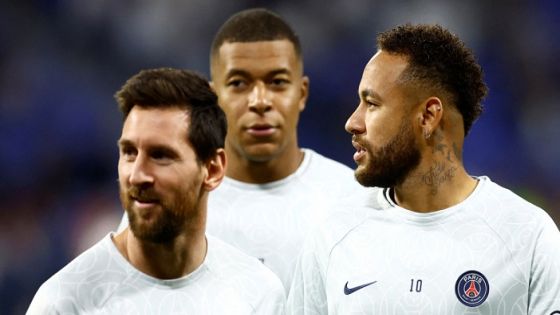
(259, 100)
(355, 123)
(140, 174)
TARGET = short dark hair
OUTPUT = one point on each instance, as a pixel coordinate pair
(254, 25)
(439, 59)
(167, 87)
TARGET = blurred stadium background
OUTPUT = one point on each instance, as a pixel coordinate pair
(62, 60)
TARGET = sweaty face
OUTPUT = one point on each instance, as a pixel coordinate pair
(262, 91)
(159, 177)
(382, 125)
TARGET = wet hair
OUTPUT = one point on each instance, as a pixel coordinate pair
(254, 25)
(439, 59)
(184, 89)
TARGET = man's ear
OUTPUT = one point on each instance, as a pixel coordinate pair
(216, 170)
(431, 115)
(304, 92)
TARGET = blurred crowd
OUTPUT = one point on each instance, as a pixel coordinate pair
(62, 60)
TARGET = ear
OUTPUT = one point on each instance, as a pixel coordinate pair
(304, 92)
(211, 83)
(216, 170)
(432, 113)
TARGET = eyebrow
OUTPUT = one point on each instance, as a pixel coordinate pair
(370, 93)
(124, 142)
(243, 73)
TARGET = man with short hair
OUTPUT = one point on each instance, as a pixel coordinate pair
(171, 157)
(274, 191)
(442, 241)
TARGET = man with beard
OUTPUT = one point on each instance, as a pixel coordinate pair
(443, 242)
(171, 157)
(274, 191)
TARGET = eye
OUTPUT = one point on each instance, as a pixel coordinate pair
(162, 155)
(237, 84)
(279, 83)
(128, 153)
(159, 154)
(371, 104)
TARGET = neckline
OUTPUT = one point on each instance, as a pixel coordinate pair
(133, 272)
(307, 157)
(433, 217)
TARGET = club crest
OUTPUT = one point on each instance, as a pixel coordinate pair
(472, 288)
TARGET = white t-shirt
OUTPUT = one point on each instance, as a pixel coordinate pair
(102, 281)
(493, 253)
(269, 221)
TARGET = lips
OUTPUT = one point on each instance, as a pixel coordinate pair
(360, 150)
(142, 197)
(144, 200)
(261, 130)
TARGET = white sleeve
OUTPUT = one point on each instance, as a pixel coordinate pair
(48, 301)
(544, 285)
(41, 305)
(308, 293)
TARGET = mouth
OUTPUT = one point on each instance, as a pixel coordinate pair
(261, 130)
(143, 203)
(360, 151)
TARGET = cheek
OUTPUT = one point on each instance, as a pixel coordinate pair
(234, 109)
(378, 132)
(122, 173)
(289, 106)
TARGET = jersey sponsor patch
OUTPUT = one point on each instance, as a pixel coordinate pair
(472, 288)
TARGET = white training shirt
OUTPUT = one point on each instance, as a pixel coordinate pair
(493, 253)
(269, 221)
(102, 281)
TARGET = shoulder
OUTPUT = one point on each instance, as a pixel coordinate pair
(326, 174)
(70, 289)
(501, 206)
(518, 223)
(319, 162)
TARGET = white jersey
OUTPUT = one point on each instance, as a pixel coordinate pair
(493, 253)
(269, 221)
(102, 281)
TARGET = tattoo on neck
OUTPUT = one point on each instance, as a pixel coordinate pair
(437, 175)
(457, 152)
(440, 147)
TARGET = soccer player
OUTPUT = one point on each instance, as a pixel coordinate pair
(274, 191)
(171, 157)
(443, 241)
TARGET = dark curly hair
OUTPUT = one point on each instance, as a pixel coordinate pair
(439, 59)
(168, 87)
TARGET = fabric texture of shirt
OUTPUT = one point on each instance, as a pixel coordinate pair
(102, 281)
(494, 253)
(270, 221)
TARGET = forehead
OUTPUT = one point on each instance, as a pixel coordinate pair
(256, 56)
(156, 125)
(383, 71)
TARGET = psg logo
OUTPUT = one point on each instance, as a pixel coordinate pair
(472, 288)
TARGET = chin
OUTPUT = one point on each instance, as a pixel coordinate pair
(263, 153)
